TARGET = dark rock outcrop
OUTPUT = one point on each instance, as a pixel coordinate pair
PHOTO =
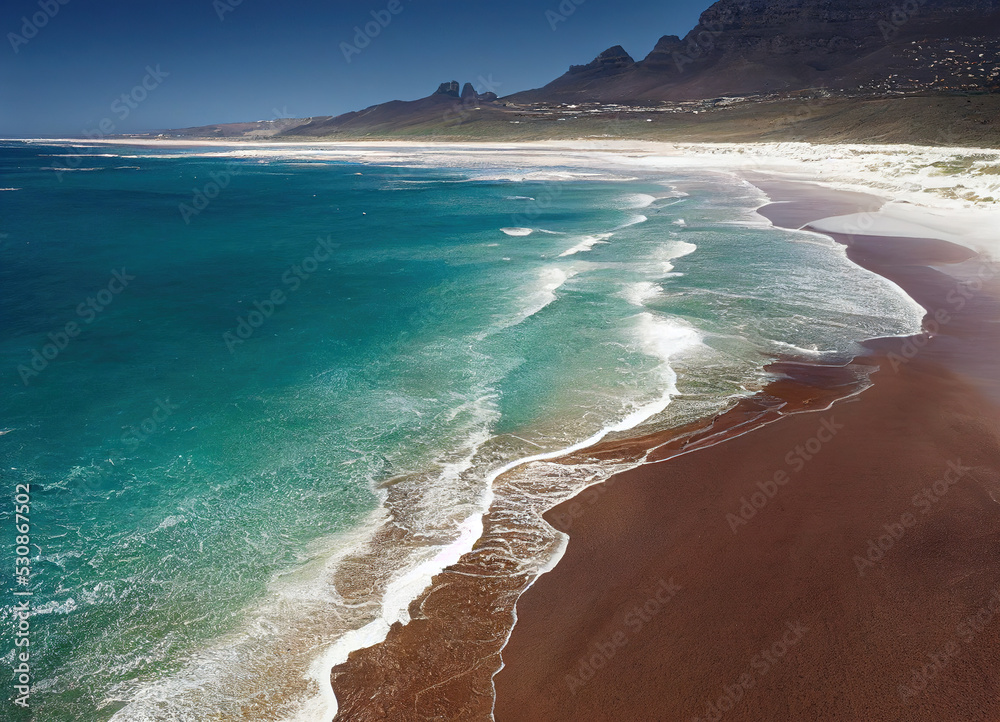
(609, 62)
(448, 89)
(748, 47)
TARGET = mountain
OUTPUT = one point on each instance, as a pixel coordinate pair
(447, 107)
(923, 71)
(749, 47)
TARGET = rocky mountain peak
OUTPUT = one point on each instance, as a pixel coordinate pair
(450, 88)
(610, 61)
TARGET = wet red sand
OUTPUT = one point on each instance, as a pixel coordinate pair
(659, 610)
(845, 596)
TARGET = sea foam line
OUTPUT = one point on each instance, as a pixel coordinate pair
(659, 338)
(586, 244)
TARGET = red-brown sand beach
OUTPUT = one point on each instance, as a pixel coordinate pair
(840, 564)
(817, 552)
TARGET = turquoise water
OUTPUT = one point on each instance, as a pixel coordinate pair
(205, 405)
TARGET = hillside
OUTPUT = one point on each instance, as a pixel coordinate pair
(926, 72)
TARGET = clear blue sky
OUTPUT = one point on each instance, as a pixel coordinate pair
(265, 56)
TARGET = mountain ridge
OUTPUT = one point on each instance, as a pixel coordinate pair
(749, 51)
(744, 47)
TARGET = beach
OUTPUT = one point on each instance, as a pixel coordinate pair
(864, 588)
(486, 448)
(821, 550)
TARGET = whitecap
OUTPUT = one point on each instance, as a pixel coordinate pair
(808, 351)
(639, 293)
(641, 200)
(518, 231)
(540, 293)
(665, 255)
(550, 279)
(55, 607)
(633, 221)
(586, 244)
(662, 338)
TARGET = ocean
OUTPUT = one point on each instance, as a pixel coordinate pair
(217, 362)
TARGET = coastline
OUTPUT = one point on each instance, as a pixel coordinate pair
(415, 671)
(515, 533)
(845, 595)
(945, 177)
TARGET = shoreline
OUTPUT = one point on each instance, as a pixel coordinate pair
(740, 585)
(932, 177)
(378, 672)
(606, 458)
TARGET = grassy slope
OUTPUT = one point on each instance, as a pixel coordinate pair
(921, 120)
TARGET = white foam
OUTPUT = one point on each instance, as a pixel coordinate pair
(808, 351)
(543, 291)
(586, 244)
(641, 200)
(657, 336)
(633, 221)
(680, 222)
(518, 231)
(297, 598)
(639, 293)
(81, 155)
(666, 254)
(942, 176)
(395, 608)
(55, 607)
